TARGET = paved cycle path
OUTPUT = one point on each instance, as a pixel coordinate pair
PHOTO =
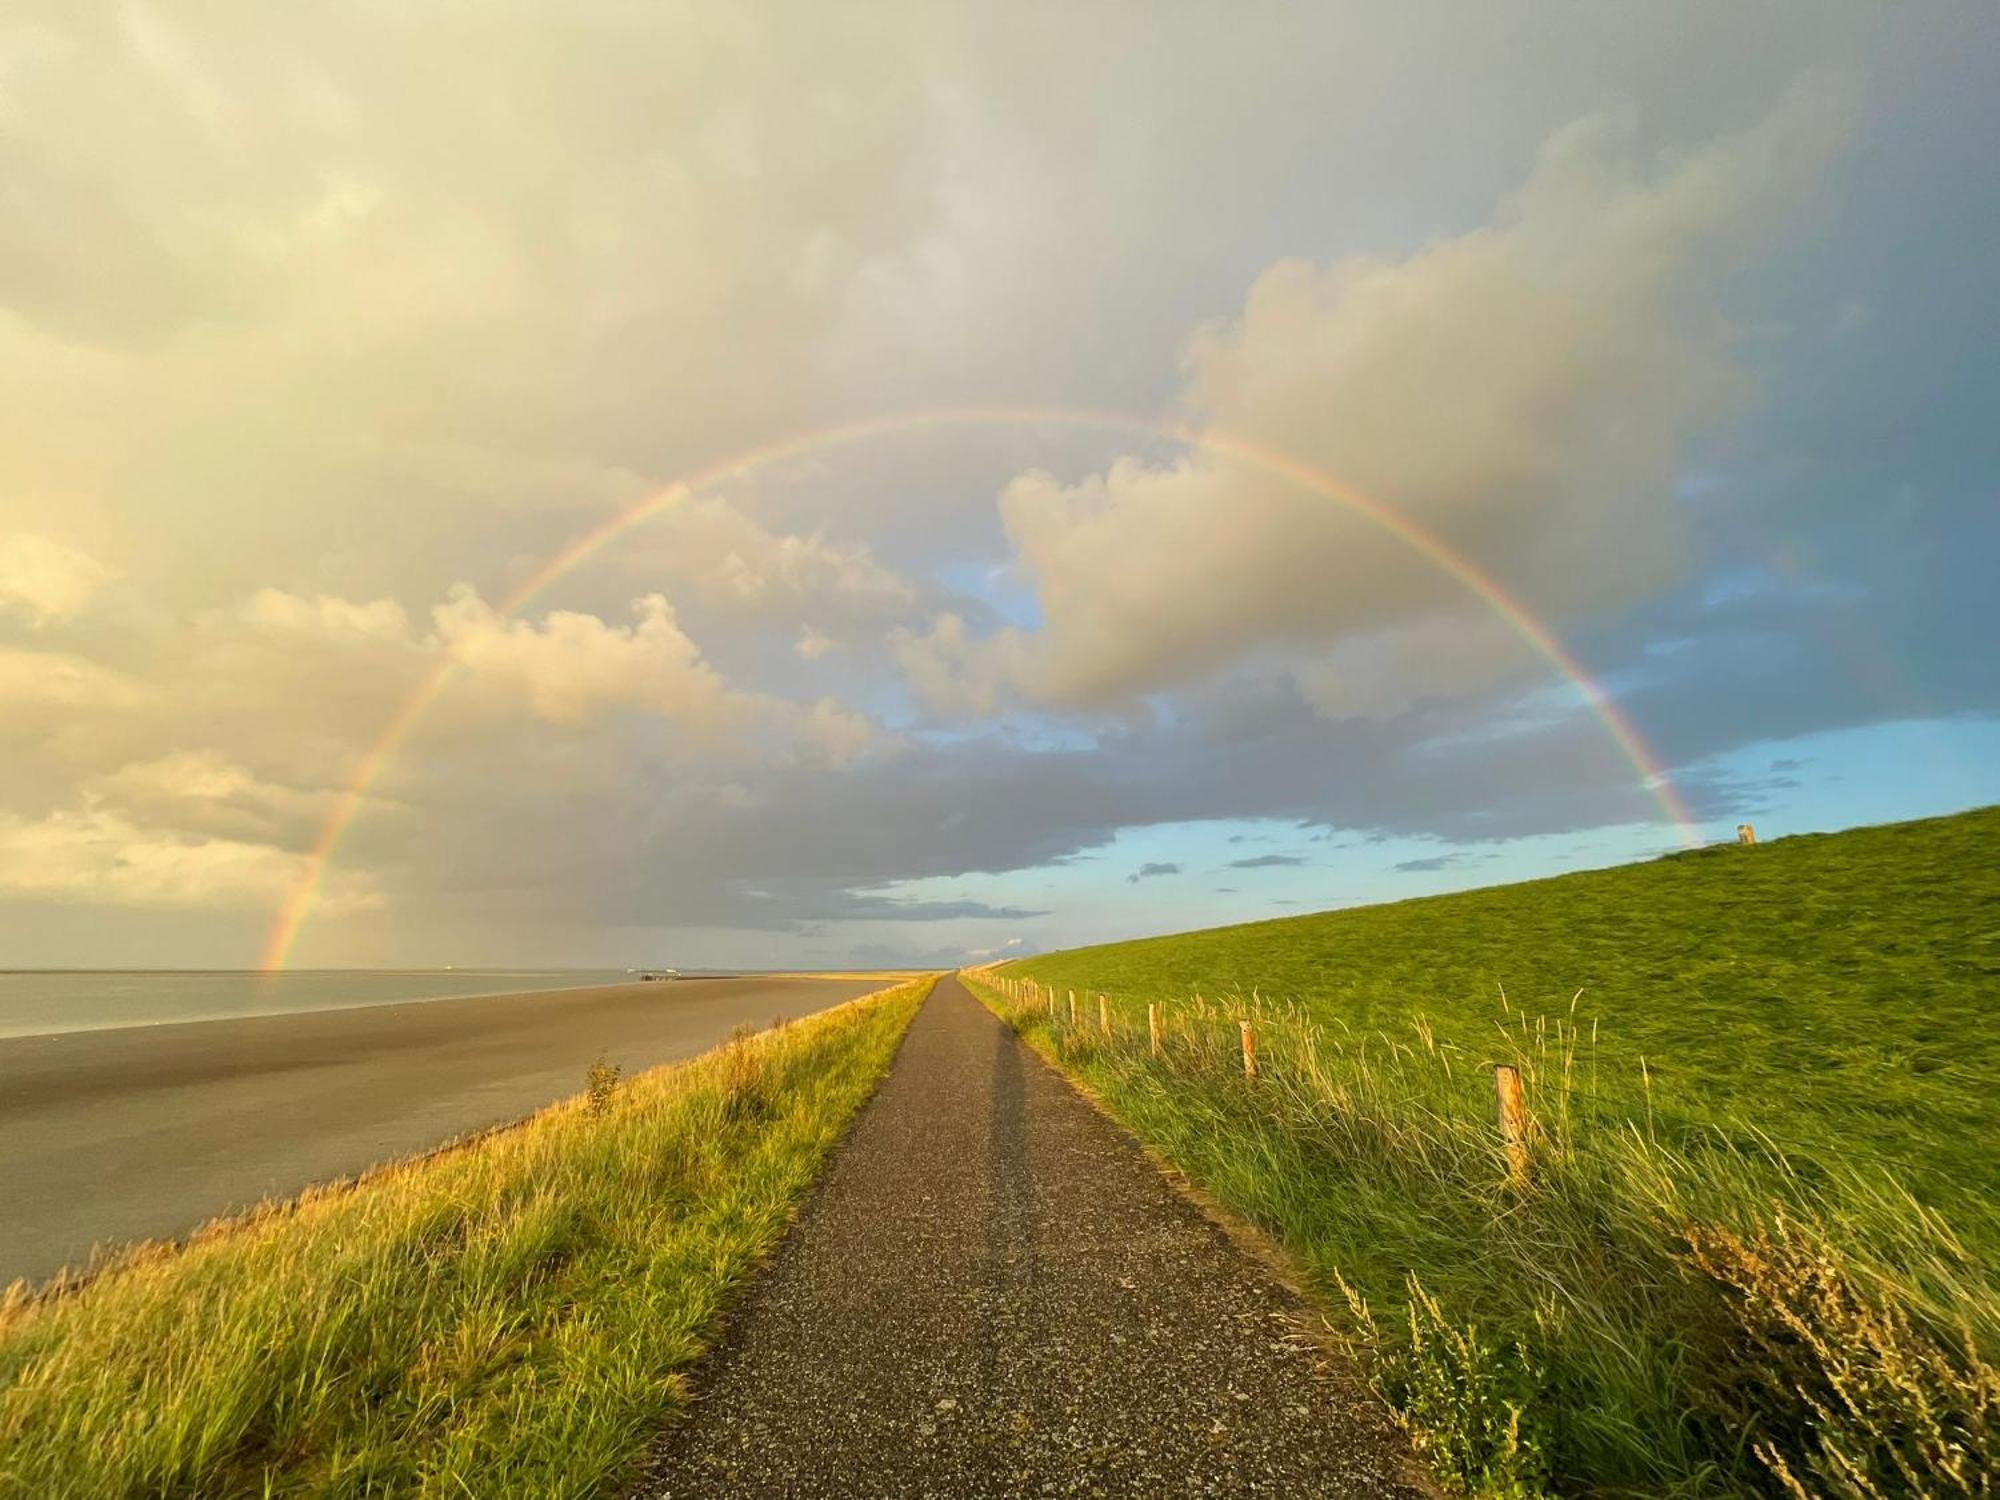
(994, 1292)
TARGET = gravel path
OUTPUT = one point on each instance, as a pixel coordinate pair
(993, 1292)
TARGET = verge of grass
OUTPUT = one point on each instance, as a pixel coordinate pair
(1762, 1268)
(507, 1319)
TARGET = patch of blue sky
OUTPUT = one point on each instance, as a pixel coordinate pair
(1217, 872)
(1227, 871)
(1000, 586)
(1878, 773)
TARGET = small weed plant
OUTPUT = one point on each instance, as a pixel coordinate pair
(600, 1085)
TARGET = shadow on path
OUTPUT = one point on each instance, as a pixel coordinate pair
(993, 1292)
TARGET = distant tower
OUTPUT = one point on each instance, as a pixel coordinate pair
(1745, 834)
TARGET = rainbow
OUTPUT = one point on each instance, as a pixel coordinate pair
(300, 900)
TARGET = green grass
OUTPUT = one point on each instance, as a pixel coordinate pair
(510, 1318)
(1760, 1239)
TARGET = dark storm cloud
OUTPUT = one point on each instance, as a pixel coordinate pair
(1878, 617)
(782, 849)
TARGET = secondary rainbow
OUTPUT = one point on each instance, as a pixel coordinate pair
(1652, 775)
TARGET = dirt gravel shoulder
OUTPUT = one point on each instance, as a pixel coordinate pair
(994, 1292)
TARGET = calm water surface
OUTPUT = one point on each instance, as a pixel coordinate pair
(37, 1002)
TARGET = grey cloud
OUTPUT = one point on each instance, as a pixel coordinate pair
(1151, 869)
(1434, 862)
(1531, 386)
(363, 337)
(1266, 861)
(852, 906)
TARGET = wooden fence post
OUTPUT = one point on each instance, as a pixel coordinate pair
(1153, 1025)
(1249, 1052)
(1513, 1121)
(1104, 1015)
(1072, 1007)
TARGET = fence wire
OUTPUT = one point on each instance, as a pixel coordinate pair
(1631, 1109)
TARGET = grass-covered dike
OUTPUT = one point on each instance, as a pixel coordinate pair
(1756, 1254)
(509, 1318)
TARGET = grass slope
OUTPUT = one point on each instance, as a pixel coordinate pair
(1841, 991)
(1758, 1252)
(506, 1319)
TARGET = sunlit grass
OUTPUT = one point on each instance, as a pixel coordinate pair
(1757, 1252)
(506, 1319)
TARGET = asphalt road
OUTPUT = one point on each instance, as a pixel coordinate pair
(993, 1292)
(147, 1132)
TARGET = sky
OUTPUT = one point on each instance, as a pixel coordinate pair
(743, 486)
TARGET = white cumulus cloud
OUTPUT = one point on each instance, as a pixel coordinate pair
(99, 856)
(62, 678)
(204, 792)
(43, 580)
(1523, 393)
(733, 559)
(573, 666)
(324, 617)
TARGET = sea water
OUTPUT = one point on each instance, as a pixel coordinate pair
(36, 1002)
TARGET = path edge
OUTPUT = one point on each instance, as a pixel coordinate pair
(1285, 1267)
(112, 1256)
(689, 1377)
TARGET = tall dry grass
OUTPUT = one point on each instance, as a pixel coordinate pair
(506, 1319)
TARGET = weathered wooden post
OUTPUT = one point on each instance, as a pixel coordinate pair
(1249, 1052)
(1072, 1007)
(1104, 1015)
(1153, 1025)
(1745, 834)
(1513, 1121)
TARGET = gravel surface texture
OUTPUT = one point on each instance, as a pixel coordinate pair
(994, 1292)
